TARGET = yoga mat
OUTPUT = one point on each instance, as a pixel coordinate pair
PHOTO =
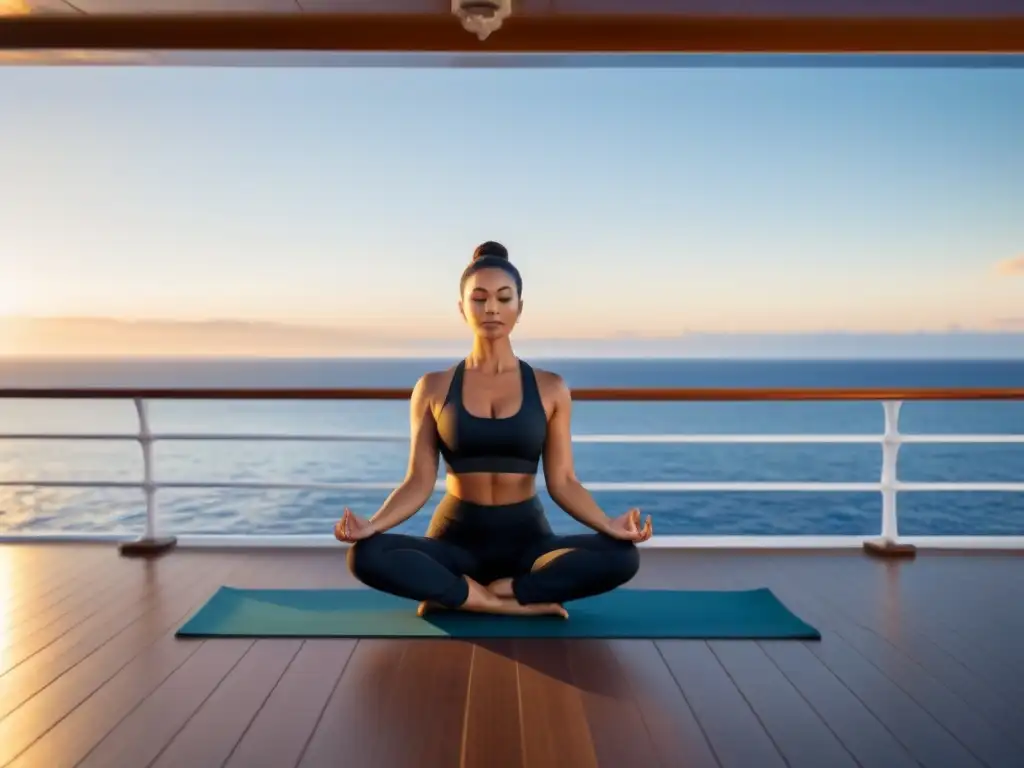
(622, 613)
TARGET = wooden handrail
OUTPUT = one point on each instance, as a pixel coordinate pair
(634, 394)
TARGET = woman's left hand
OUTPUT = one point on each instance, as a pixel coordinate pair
(352, 528)
(627, 527)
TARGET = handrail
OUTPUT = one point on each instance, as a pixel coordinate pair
(635, 394)
(889, 542)
(615, 439)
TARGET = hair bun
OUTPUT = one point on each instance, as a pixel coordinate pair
(490, 249)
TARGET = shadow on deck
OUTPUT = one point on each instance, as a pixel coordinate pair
(919, 665)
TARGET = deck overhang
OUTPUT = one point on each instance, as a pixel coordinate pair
(535, 26)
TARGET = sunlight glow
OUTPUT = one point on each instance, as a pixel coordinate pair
(9, 301)
(15, 8)
(73, 56)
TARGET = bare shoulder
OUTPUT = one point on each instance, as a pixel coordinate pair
(429, 383)
(432, 387)
(552, 386)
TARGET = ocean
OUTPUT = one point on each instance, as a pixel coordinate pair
(28, 510)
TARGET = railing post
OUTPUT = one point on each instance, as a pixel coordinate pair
(888, 545)
(149, 545)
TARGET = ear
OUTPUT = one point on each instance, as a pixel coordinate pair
(462, 310)
(520, 310)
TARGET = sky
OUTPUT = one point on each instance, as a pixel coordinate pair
(638, 203)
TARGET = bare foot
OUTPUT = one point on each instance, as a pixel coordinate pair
(501, 588)
(537, 609)
(482, 600)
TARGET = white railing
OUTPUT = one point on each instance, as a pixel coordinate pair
(889, 486)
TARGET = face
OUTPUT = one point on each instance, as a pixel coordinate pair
(490, 303)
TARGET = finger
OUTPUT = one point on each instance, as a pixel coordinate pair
(642, 534)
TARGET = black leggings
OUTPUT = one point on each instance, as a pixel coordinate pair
(487, 543)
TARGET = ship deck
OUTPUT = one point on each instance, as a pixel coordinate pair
(919, 665)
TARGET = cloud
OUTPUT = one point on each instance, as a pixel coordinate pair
(113, 337)
(1011, 266)
(103, 335)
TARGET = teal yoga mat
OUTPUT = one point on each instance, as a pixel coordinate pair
(622, 613)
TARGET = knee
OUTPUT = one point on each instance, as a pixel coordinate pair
(364, 557)
(623, 562)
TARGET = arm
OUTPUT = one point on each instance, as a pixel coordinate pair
(559, 472)
(421, 476)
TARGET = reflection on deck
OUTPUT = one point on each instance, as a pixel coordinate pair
(919, 665)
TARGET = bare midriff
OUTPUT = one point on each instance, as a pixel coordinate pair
(491, 488)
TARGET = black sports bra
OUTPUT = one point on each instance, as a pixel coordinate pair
(512, 445)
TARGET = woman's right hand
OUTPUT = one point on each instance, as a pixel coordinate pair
(352, 528)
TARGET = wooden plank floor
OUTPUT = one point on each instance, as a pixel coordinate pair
(920, 665)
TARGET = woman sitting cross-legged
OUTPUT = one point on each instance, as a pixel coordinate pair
(489, 547)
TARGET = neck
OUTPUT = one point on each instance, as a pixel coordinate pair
(492, 356)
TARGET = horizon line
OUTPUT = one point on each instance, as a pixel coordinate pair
(618, 356)
(1001, 327)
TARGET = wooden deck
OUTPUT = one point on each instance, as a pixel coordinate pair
(920, 665)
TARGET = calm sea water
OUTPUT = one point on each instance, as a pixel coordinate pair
(27, 509)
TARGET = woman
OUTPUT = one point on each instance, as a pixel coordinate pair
(489, 547)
